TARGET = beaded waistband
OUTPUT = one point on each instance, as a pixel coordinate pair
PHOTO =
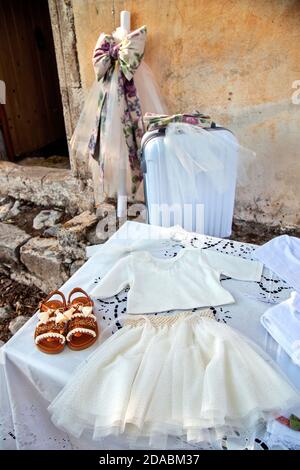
(168, 320)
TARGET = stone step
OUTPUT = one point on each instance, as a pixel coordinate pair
(48, 187)
(44, 260)
(12, 238)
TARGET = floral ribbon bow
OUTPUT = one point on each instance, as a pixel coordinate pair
(127, 54)
(64, 316)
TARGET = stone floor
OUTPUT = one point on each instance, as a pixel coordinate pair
(53, 155)
(55, 161)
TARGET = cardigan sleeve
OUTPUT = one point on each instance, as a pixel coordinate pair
(114, 281)
(234, 266)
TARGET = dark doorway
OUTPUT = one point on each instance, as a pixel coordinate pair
(33, 109)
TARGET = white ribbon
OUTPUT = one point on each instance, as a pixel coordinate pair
(64, 316)
(86, 311)
(44, 316)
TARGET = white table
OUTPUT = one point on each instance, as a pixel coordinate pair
(29, 380)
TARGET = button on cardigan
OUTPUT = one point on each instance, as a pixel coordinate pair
(189, 280)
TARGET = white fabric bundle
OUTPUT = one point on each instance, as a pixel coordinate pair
(283, 323)
(282, 255)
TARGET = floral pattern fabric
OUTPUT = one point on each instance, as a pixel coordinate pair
(155, 121)
(124, 57)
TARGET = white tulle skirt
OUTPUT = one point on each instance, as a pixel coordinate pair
(184, 375)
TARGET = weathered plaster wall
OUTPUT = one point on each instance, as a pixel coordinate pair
(234, 59)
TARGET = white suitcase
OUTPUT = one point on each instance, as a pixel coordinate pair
(209, 212)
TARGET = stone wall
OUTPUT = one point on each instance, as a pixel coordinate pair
(47, 219)
(42, 247)
(236, 60)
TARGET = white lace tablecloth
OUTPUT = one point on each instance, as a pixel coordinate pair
(29, 380)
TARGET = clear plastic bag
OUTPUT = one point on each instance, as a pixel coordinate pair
(198, 150)
(148, 91)
(114, 149)
(79, 143)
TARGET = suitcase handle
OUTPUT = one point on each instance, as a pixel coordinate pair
(161, 132)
